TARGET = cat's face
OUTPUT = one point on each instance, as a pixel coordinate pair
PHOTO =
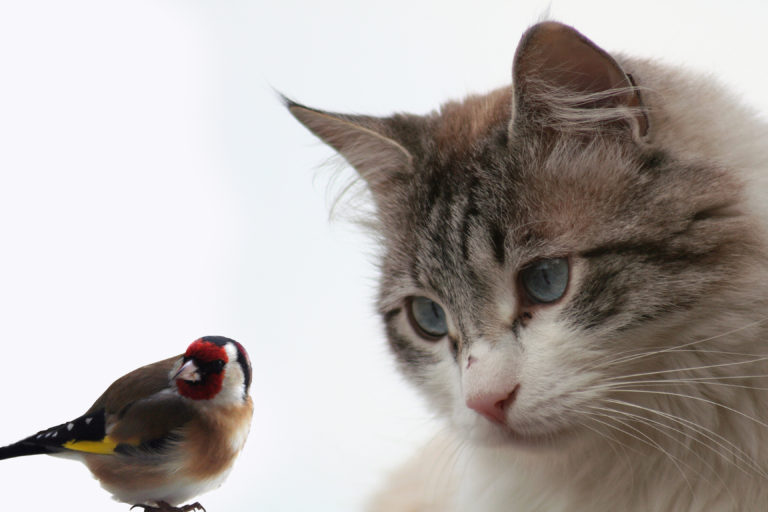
(536, 241)
(518, 278)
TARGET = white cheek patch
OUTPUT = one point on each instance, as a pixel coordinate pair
(545, 341)
(232, 386)
(557, 368)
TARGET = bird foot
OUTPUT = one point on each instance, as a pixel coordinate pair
(165, 507)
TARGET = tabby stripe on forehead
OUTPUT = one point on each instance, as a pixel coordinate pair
(498, 241)
(649, 251)
(470, 212)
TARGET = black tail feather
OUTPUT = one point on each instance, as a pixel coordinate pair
(89, 427)
(22, 448)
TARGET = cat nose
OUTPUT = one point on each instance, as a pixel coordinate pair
(493, 404)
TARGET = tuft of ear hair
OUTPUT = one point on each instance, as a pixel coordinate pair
(562, 80)
(361, 140)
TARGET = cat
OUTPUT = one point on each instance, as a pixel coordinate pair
(574, 274)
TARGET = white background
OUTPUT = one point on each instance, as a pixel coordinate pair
(153, 190)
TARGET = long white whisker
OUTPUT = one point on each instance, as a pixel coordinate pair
(617, 442)
(657, 425)
(651, 443)
(719, 352)
(593, 416)
(606, 436)
(692, 368)
(693, 397)
(445, 464)
(684, 345)
(709, 434)
(618, 385)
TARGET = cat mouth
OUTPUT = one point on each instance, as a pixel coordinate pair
(535, 439)
(524, 437)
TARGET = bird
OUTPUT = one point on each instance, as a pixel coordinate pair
(163, 433)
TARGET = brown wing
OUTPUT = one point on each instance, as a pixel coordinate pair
(139, 408)
(150, 420)
(140, 383)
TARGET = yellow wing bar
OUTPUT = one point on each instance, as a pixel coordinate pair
(105, 447)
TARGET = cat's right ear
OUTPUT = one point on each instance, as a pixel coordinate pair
(363, 141)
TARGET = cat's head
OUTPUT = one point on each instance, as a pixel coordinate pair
(540, 237)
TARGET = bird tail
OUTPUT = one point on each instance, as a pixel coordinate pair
(22, 448)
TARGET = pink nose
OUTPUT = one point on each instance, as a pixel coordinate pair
(493, 405)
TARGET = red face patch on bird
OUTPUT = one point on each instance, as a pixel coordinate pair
(210, 359)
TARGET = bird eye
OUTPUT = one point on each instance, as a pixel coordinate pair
(427, 318)
(211, 367)
(216, 366)
(545, 281)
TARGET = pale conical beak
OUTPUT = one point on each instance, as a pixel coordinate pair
(188, 372)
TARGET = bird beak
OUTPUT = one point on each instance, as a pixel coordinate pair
(188, 372)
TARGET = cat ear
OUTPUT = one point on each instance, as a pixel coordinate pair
(361, 140)
(563, 80)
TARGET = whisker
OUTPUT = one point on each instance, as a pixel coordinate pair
(727, 377)
(684, 345)
(593, 416)
(709, 434)
(739, 453)
(693, 397)
(719, 352)
(608, 437)
(613, 444)
(617, 356)
(649, 441)
(662, 382)
(657, 425)
(445, 463)
(692, 368)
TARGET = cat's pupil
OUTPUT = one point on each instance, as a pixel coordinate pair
(545, 280)
(428, 318)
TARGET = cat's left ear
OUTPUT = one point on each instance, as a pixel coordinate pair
(563, 80)
(367, 143)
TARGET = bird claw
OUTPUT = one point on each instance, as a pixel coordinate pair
(192, 507)
(165, 507)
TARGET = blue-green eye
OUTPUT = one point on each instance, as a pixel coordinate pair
(427, 318)
(545, 280)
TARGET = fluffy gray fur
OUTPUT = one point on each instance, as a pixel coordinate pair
(644, 386)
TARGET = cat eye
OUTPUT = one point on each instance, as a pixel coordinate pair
(545, 281)
(427, 318)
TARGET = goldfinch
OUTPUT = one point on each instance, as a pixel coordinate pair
(164, 433)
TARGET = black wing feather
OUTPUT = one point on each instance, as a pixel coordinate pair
(89, 427)
(20, 449)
